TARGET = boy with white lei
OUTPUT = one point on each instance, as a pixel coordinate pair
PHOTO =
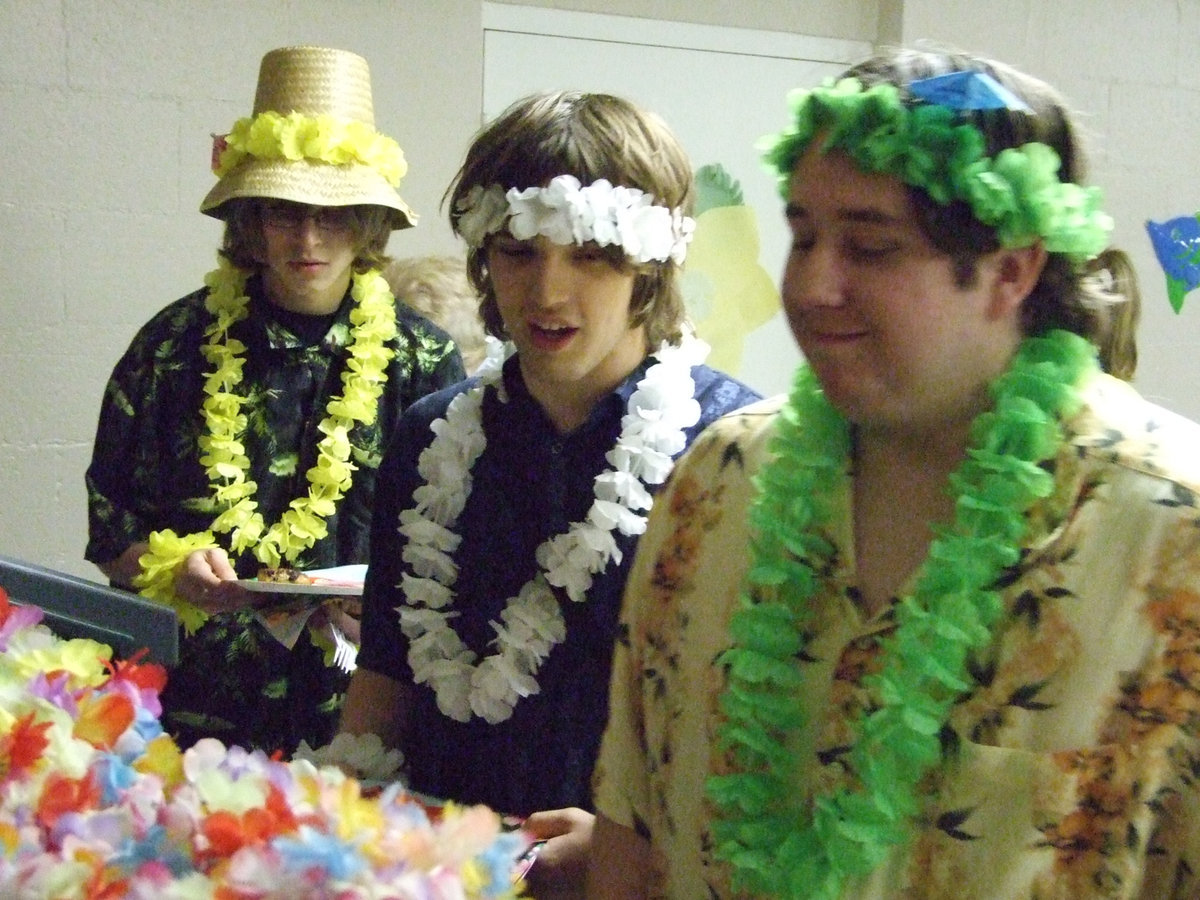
(499, 552)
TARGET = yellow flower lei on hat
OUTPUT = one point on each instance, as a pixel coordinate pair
(373, 322)
(325, 139)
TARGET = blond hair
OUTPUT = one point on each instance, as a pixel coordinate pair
(1116, 340)
(245, 246)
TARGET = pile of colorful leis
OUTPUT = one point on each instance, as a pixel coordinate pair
(373, 322)
(786, 845)
(96, 802)
(295, 136)
(931, 147)
(568, 212)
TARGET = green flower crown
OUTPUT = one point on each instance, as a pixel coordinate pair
(1017, 192)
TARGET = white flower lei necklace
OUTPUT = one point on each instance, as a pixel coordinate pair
(302, 524)
(652, 433)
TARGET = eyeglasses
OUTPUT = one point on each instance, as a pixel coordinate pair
(290, 216)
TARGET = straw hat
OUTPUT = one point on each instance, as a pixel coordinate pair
(311, 82)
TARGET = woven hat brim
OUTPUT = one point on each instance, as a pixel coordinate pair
(313, 183)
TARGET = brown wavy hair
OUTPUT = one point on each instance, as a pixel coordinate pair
(1064, 297)
(245, 247)
(591, 136)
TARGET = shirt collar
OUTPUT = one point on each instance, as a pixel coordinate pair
(278, 336)
(512, 386)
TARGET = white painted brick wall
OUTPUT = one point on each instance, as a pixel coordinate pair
(107, 106)
(1129, 67)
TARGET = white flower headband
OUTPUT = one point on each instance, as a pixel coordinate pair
(566, 212)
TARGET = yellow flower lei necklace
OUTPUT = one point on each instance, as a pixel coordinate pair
(373, 323)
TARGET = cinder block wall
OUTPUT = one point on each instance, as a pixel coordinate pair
(108, 108)
(1129, 68)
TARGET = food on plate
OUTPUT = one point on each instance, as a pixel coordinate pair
(283, 574)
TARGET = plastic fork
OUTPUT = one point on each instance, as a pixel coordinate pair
(345, 654)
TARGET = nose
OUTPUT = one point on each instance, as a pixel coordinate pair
(552, 276)
(308, 231)
(813, 277)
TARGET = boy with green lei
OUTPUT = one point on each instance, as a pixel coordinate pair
(952, 584)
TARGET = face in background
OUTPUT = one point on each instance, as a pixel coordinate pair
(874, 306)
(566, 308)
(309, 252)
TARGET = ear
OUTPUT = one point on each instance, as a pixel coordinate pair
(1016, 272)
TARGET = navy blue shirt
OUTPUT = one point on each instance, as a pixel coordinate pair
(529, 484)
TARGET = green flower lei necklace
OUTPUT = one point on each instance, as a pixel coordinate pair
(782, 846)
(373, 322)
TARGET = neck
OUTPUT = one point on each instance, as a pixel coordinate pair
(901, 491)
(315, 302)
(567, 409)
(935, 436)
(935, 451)
(568, 403)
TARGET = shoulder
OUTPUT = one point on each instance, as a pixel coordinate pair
(435, 405)
(419, 342)
(178, 324)
(1118, 427)
(413, 431)
(414, 325)
(188, 310)
(424, 360)
(751, 423)
(738, 437)
(718, 393)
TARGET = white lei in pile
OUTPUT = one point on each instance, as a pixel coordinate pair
(652, 433)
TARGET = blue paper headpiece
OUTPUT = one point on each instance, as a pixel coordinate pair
(1177, 246)
(966, 90)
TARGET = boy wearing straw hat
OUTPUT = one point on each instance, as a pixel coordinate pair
(243, 426)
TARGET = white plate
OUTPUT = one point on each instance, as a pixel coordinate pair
(340, 581)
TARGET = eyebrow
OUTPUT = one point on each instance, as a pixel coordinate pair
(864, 215)
(275, 203)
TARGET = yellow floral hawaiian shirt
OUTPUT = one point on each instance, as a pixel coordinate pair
(1073, 772)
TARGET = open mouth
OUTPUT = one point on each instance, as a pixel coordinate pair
(551, 337)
